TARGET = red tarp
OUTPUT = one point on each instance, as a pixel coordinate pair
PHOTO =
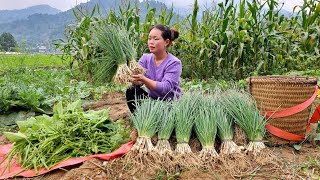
(16, 168)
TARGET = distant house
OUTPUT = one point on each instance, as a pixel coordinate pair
(42, 49)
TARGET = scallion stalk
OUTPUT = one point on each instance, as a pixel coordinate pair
(166, 127)
(206, 126)
(146, 120)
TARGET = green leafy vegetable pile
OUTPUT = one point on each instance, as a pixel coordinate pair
(44, 141)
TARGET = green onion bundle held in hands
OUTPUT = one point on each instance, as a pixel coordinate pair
(242, 107)
(185, 113)
(44, 141)
(146, 120)
(166, 126)
(206, 126)
(116, 52)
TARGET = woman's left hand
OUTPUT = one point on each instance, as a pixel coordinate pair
(138, 77)
(151, 84)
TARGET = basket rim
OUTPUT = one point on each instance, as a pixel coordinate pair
(283, 79)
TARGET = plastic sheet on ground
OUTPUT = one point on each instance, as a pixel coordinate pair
(17, 170)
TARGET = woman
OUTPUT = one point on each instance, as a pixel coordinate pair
(163, 70)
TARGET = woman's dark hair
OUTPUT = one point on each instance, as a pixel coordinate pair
(167, 33)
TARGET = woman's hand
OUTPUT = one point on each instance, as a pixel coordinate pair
(138, 77)
(151, 84)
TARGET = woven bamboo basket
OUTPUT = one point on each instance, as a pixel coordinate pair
(273, 93)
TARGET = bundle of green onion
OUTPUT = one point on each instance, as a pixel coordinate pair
(225, 132)
(116, 52)
(185, 113)
(206, 126)
(242, 107)
(146, 120)
(225, 129)
(166, 127)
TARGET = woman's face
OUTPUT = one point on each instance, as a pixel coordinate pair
(156, 43)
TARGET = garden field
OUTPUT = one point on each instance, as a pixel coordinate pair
(26, 60)
(49, 85)
(285, 163)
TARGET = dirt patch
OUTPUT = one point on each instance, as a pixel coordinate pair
(115, 102)
(276, 163)
(200, 174)
(53, 175)
(92, 169)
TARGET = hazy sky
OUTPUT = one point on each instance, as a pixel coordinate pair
(288, 4)
(67, 4)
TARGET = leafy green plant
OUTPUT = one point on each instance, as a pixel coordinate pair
(44, 141)
(38, 89)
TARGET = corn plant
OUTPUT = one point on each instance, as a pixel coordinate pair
(77, 43)
(230, 40)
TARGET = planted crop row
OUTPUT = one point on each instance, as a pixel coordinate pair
(38, 89)
(9, 62)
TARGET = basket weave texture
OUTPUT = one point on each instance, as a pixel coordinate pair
(273, 93)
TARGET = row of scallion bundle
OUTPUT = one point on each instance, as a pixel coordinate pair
(210, 115)
(117, 56)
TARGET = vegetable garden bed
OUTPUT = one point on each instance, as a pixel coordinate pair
(290, 163)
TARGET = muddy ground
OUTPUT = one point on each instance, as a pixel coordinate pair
(281, 162)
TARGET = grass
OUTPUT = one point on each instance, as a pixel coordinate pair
(208, 85)
(30, 60)
(311, 167)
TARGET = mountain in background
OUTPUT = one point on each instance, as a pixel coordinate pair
(7, 16)
(42, 29)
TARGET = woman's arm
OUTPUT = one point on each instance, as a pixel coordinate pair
(170, 79)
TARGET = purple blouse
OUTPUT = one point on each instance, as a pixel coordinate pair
(166, 75)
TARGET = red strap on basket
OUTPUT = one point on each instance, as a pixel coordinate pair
(283, 134)
(316, 116)
(290, 111)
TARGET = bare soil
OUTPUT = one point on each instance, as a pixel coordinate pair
(281, 162)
